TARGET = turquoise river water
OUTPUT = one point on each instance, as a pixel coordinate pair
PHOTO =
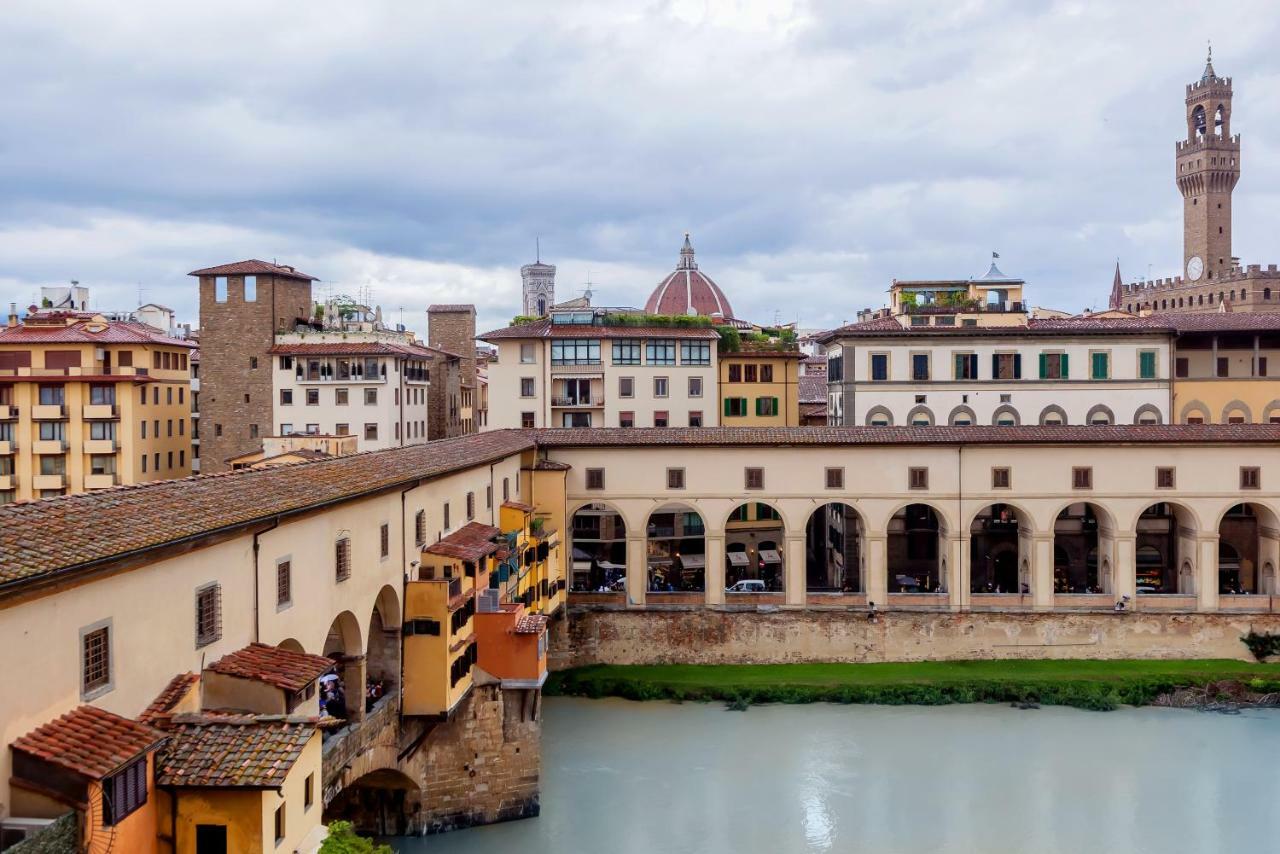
(637, 778)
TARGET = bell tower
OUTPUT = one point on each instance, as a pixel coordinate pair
(1208, 164)
(539, 285)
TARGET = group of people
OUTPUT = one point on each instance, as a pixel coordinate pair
(333, 695)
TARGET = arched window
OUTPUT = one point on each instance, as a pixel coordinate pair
(1100, 415)
(1198, 122)
(1266, 293)
(920, 416)
(1219, 120)
(1053, 416)
(1005, 416)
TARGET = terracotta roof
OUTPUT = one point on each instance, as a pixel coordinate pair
(90, 741)
(813, 410)
(350, 348)
(599, 437)
(232, 752)
(1235, 321)
(813, 389)
(551, 465)
(42, 539)
(884, 326)
(282, 668)
(254, 267)
(460, 308)
(470, 542)
(518, 505)
(547, 329)
(116, 332)
(687, 290)
(531, 624)
(173, 694)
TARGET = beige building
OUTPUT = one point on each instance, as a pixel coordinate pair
(88, 403)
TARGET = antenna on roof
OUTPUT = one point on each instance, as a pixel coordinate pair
(537, 249)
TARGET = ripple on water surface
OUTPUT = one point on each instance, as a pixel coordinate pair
(639, 778)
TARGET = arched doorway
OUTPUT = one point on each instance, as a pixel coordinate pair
(598, 547)
(1165, 550)
(1081, 539)
(343, 645)
(676, 550)
(381, 803)
(914, 545)
(833, 550)
(995, 564)
(754, 541)
(1247, 546)
(382, 653)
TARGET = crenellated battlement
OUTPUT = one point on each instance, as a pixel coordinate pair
(1209, 86)
(1156, 287)
(1210, 142)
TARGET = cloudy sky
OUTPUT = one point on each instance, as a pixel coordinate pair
(814, 149)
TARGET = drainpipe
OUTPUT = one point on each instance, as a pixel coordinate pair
(275, 523)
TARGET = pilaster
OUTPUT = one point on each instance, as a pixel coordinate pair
(794, 569)
(637, 569)
(713, 577)
(877, 568)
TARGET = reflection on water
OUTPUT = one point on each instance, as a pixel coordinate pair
(639, 778)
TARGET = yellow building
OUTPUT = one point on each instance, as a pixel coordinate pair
(1225, 368)
(87, 403)
(760, 386)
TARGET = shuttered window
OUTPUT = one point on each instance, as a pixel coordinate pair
(754, 478)
(124, 792)
(1147, 365)
(208, 614)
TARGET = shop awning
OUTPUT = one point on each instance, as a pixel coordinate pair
(770, 556)
(693, 561)
(739, 558)
(597, 375)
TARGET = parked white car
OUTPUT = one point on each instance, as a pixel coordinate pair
(747, 585)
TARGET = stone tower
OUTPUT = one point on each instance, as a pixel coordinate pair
(1208, 163)
(539, 287)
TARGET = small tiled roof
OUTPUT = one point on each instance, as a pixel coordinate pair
(472, 541)
(351, 348)
(282, 668)
(452, 308)
(551, 465)
(89, 741)
(531, 624)
(1233, 321)
(603, 437)
(115, 332)
(547, 329)
(518, 505)
(254, 267)
(813, 410)
(813, 389)
(173, 693)
(45, 539)
(245, 752)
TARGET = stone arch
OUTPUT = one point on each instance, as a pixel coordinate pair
(1194, 408)
(374, 794)
(1005, 409)
(945, 518)
(834, 548)
(755, 536)
(597, 535)
(999, 533)
(387, 607)
(1271, 410)
(962, 411)
(343, 636)
(919, 410)
(1083, 540)
(1100, 409)
(1145, 410)
(1166, 543)
(627, 518)
(916, 533)
(1191, 516)
(291, 644)
(1053, 409)
(1234, 406)
(382, 654)
(879, 412)
(675, 548)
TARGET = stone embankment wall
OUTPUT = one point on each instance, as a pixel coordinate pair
(700, 636)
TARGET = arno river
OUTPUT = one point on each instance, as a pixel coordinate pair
(639, 778)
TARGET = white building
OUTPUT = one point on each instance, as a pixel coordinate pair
(969, 352)
(370, 385)
(575, 369)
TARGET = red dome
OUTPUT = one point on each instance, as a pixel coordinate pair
(688, 291)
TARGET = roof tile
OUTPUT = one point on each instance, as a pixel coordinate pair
(89, 741)
(282, 668)
(234, 752)
(470, 542)
(254, 267)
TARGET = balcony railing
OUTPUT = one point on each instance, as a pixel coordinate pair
(78, 371)
(49, 446)
(8, 412)
(8, 446)
(101, 446)
(101, 481)
(49, 411)
(585, 401)
(99, 411)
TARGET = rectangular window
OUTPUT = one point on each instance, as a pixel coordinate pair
(526, 386)
(284, 583)
(1082, 477)
(53, 464)
(56, 431)
(966, 366)
(208, 614)
(1000, 478)
(384, 540)
(695, 418)
(313, 396)
(660, 386)
(626, 352)
(1147, 365)
(370, 397)
(695, 386)
(766, 407)
(124, 792)
(342, 559)
(1164, 477)
(735, 407)
(340, 396)
(626, 419)
(102, 395)
(52, 395)
(595, 478)
(309, 791)
(95, 661)
(661, 418)
(880, 366)
(675, 478)
(219, 288)
(1223, 367)
(1053, 366)
(1006, 366)
(626, 386)
(371, 432)
(506, 489)
(471, 506)
(917, 478)
(102, 464)
(286, 397)
(101, 429)
(753, 478)
(660, 351)
(735, 373)
(575, 351)
(835, 478)
(919, 366)
(446, 514)
(420, 527)
(526, 420)
(280, 824)
(1250, 477)
(526, 354)
(1099, 365)
(695, 353)
(750, 373)
(766, 373)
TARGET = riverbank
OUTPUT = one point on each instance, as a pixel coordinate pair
(1085, 684)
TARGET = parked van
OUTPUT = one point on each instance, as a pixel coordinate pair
(747, 585)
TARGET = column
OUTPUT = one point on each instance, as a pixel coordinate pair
(1124, 569)
(714, 575)
(794, 569)
(964, 573)
(353, 683)
(637, 570)
(957, 586)
(877, 545)
(1042, 572)
(1207, 567)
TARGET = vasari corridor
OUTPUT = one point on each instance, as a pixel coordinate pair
(701, 426)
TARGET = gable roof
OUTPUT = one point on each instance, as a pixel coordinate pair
(115, 332)
(89, 741)
(173, 694)
(546, 329)
(470, 542)
(273, 665)
(254, 267)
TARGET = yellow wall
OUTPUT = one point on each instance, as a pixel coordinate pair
(785, 387)
(1209, 398)
(428, 659)
(239, 809)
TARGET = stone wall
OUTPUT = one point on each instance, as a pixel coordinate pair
(700, 636)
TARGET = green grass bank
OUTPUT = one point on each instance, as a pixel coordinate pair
(1098, 685)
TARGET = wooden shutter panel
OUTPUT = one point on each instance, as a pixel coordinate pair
(775, 409)
(973, 366)
(995, 366)
(1017, 366)
(1044, 366)
(726, 406)
(1062, 363)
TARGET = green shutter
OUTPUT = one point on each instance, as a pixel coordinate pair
(995, 366)
(1062, 363)
(727, 401)
(973, 366)
(1044, 366)
(1099, 366)
(759, 400)
(1017, 366)
(959, 366)
(775, 406)
(1147, 365)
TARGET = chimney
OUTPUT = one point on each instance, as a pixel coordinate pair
(13, 314)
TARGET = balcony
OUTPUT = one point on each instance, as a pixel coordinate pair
(8, 413)
(8, 481)
(8, 446)
(101, 446)
(311, 378)
(579, 402)
(100, 412)
(49, 411)
(101, 481)
(49, 446)
(48, 481)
